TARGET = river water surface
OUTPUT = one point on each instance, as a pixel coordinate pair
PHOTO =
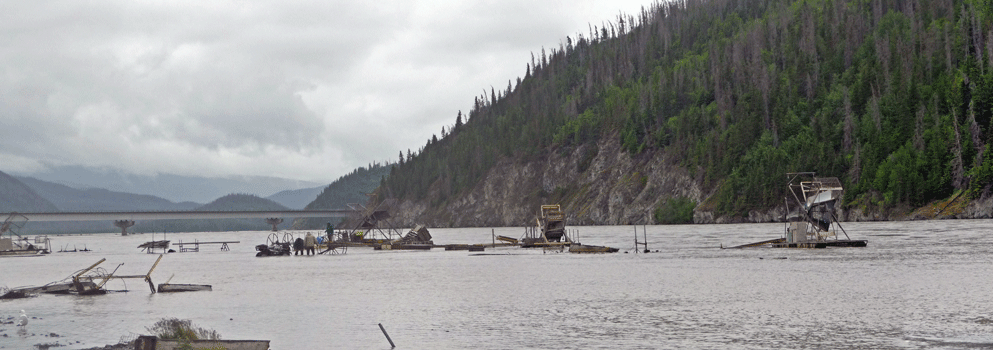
(918, 285)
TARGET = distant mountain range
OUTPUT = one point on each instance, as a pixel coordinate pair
(231, 202)
(296, 199)
(25, 194)
(67, 198)
(16, 196)
(29, 194)
(175, 188)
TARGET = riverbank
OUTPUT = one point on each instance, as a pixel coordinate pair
(955, 207)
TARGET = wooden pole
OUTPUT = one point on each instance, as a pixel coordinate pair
(387, 336)
(91, 267)
(645, 230)
(148, 276)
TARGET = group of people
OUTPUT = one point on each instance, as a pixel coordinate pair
(305, 245)
(309, 243)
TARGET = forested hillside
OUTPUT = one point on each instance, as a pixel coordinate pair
(894, 97)
(353, 187)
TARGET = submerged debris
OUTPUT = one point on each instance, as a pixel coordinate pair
(88, 281)
(149, 247)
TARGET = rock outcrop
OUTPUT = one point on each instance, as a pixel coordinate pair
(606, 186)
(611, 188)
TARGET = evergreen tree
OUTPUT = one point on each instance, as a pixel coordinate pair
(893, 97)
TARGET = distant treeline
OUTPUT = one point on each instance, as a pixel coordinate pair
(895, 97)
(231, 202)
(353, 187)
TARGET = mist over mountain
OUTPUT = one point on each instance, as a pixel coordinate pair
(15, 196)
(175, 188)
(28, 194)
(68, 198)
(296, 199)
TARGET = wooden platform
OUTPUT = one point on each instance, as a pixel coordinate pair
(396, 246)
(195, 245)
(469, 247)
(150, 342)
(823, 244)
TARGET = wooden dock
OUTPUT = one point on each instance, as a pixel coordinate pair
(403, 246)
(195, 245)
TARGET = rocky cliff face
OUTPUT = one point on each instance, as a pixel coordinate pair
(602, 185)
(595, 186)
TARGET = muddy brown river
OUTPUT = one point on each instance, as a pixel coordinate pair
(918, 285)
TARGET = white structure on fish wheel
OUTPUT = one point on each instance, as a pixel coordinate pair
(810, 207)
(16, 245)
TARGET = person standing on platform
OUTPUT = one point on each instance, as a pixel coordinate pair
(298, 246)
(309, 243)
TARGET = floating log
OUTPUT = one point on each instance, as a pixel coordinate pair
(588, 249)
(756, 244)
(175, 287)
(510, 240)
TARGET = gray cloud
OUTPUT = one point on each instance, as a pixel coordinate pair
(299, 89)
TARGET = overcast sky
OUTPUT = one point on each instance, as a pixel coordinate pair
(306, 90)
